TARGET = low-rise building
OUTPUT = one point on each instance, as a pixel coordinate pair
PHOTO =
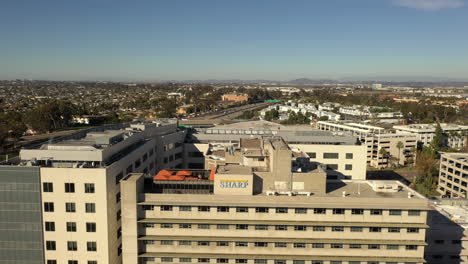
(453, 175)
(456, 134)
(236, 97)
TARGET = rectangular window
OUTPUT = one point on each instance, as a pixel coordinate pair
(356, 229)
(203, 226)
(348, 166)
(51, 261)
(281, 210)
(167, 242)
(298, 261)
(261, 227)
(394, 212)
(242, 210)
(222, 227)
(312, 155)
(167, 259)
(300, 228)
(241, 261)
(50, 245)
(299, 245)
(71, 226)
(166, 208)
(117, 197)
(332, 166)
(327, 155)
(72, 246)
(185, 243)
(357, 211)
(261, 209)
(394, 230)
(242, 244)
(414, 212)
(242, 227)
(376, 212)
(355, 246)
(393, 247)
(320, 211)
(337, 229)
(91, 227)
(185, 226)
(374, 246)
(90, 207)
(336, 245)
(261, 244)
(91, 246)
(338, 211)
(72, 262)
(48, 207)
(137, 163)
(70, 207)
(89, 187)
(318, 228)
(69, 187)
(375, 229)
(203, 208)
(281, 227)
(412, 230)
(318, 245)
(145, 157)
(166, 225)
(47, 187)
(203, 243)
(300, 210)
(49, 226)
(280, 244)
(349, 155)
(260, 261)
(223, 209)
(411, 247)
(222, 244)
(222, 260)
(185, 208)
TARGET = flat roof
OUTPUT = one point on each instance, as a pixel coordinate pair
(358, 194)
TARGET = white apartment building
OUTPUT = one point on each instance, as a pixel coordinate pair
(457, 134)
(80, 186)
(375, 138)
(453, 175)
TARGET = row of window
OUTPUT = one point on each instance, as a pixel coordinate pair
(280, 244)
(287, 227)
(69, 187)
(72, 245)
(263, 261)
(281, 210)
(70, 226)
(70, 207)
(53, 261)
(328, 155)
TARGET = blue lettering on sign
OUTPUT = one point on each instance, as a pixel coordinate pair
(233, 184)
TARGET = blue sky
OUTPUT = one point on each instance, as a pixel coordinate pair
(241, 39)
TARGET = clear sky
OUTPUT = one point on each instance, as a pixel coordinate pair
(232, 39)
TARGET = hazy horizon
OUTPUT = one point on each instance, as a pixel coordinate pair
(180, 40)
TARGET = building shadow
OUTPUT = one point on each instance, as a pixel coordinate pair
(386, 175)
(444, 239)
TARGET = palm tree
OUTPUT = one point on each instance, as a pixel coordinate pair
(383, 152)
(399, 145)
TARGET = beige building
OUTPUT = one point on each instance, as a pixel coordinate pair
(396, 154)
(456, 134)
(447, 236)
(268, 214)
(235, 97)
(376, 138)
(342, 156)
(80, 186)
(453, 175)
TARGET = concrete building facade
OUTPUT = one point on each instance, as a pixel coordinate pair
(453, 175)
(457, 136)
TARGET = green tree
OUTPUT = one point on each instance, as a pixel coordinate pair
(384, 154)
(438, 142)
(399, 145)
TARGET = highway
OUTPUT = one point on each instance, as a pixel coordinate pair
(231, 113)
